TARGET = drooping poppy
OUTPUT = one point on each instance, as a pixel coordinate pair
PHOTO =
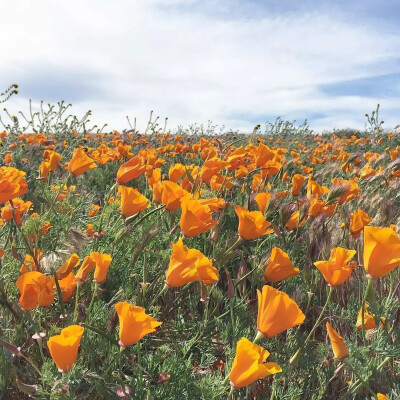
(381, 251)
(68, 266)
(279, 266)
(338, 345)
(189, 265)
(249, 364)
(64, 347)
(132, 169)
(134, 323)
(196, 218)
(338, 268)
(277, 312)
(132, 201)
(80, 162)
(252, 224)
(358, 219)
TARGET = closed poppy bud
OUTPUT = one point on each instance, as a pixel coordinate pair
(68, 266)
(277, 312)
(130, 170)
(80, 162)
(279, 266)
(64, 347)
(381, 251)
(132, 201)
(172, 194)
(54, 159)
(358, 219)
(196, 218)
(189, 265)
(338, 345)
(44, 169)
(249, 366)
(297, 182)
(252, 224)
(87, 265)
(12, 183)
(102, 262)
(369, 319)
(337, 269)
(134, 323)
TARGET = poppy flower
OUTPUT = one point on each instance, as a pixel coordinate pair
(68, 266)
(67, 286)
(369, 319)
(297, 182)
(87, 265)
(94, 209)
(249, 364)
(53, 159)
(64, 347)
(381, 396)
(212, 167)
(338, 345)
(130, 170)
(294, 221)
(262, 200)
(12, 183)
(172, 195)
(44, 169)
(102, 261)
(252, 224)
(189, 265)
(36, 289)
(337, 269)
(381, 251)
(134, 323)
(18, 208)
(196, 218)
(132, 201)
(80, 162)
(277, 312)
(279, 266)
(358, 219)
(176, 172)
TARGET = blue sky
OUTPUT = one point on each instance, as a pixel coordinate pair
(235, 62)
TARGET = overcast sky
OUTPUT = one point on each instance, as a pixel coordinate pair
(235, 62)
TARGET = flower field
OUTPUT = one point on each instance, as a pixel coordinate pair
(187, 266)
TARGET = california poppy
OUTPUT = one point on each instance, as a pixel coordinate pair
(381, 251)
(19, 207)
(172, 195)
(134, 323)
(262, 200)
(297, 182)
(252, 224)
(279, 266)
(338, 345)
(189, 265)
(358, 219)
(196, 218)
(277, 312)
(64, 347)
(68, 266)
(80, 162)
(102, 261)
(337, 269)
(132, 201)
(130, 170)
(369, 319)
(249, 364)
(67, 286)
(87, 265)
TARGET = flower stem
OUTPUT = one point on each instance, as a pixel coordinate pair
(367, 290)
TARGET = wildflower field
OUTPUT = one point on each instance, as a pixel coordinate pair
(197, 266)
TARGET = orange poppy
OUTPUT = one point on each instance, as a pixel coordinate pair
(67, 286)
(358, 219)
(64, 347)
(176, 172)
(132, 201)
(196, 218)
(252, 224)
(102, 261)
(381, 251)
(337, 269)
(68, 266)
(134, 323)
(189, 265)
(18, 208)
(249, 364)
(12, 183)
(338, 345)
(172, 195)
(130, 170)
(80, 162)
(277, 312)
(297, 182)
(369, 319)
(262, 200)
(87, 265)
(279, 266)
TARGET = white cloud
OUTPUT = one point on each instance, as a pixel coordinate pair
(193, 67)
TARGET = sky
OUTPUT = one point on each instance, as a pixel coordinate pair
(238, 63)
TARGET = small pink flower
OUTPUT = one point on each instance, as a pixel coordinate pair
(164, 377)
(123, 393)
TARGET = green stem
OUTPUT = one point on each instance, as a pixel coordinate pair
(60, 299)
(78, 285)
(139, 361)
(364, 383)
(367, 290)
(96, 286)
